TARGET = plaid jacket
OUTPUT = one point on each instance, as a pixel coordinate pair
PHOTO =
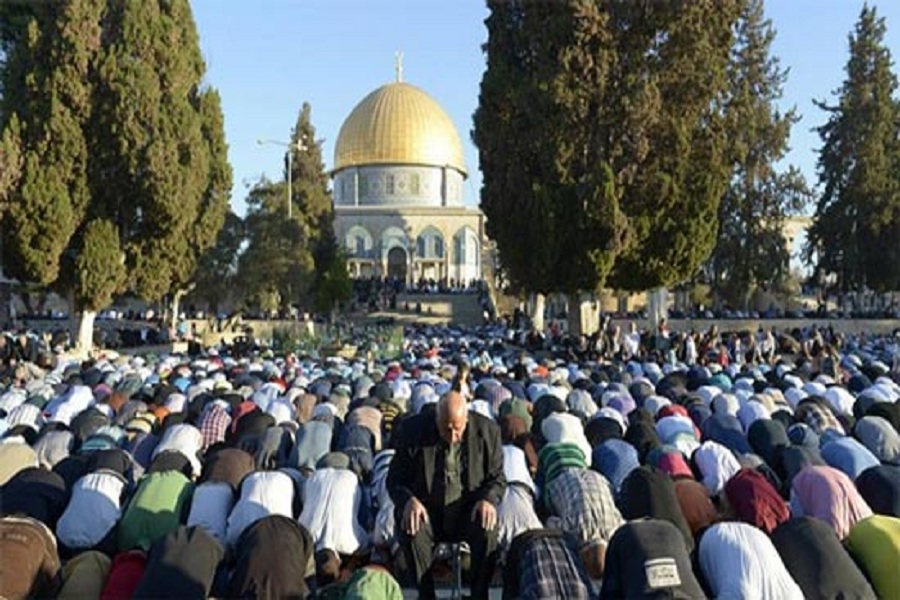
(583, 501)
(544, 564)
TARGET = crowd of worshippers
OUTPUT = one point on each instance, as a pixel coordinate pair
(287, 476)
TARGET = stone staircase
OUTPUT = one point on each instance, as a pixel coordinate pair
(454, 309)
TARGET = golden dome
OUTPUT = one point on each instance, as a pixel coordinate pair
(398, 124)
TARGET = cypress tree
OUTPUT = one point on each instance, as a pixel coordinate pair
(601, 139)
(549, 192)
(116, 130)
(673, 59)
(11, 162)
(313, 207)
(164, 156)
(856, 227)
(46, 115)
(750, 248)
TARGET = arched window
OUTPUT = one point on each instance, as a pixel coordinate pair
(430, 243)
(358, 241)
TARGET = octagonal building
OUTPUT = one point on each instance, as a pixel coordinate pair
(399, 190)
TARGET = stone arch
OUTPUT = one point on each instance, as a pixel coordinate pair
(430, 243)
(358, 241)
(397, 263)
(393, 237)
(466, 256)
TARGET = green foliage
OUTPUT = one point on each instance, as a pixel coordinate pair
(856, 226)
(601, 140)
(100, 266)
(15, 17)
(114, 126)
(672, 61)
(217, 270)
(334, 287)
(313, 207)
(549, 193)
(11, 162)
(53, 104)
(277, 263)
(286, 261)
(161, 144)
(309, 181)
(750, 247)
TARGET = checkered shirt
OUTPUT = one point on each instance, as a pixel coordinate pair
(549, 568)
(213, 425)
(583, 501)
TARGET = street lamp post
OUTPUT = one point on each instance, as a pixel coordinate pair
(300, 146)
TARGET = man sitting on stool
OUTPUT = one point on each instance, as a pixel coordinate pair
(446, 480)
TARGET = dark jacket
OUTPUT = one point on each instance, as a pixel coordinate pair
(412, 470)
(272, 557)
(181, 565)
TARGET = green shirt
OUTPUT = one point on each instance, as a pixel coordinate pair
(874, 542)
(452, 478)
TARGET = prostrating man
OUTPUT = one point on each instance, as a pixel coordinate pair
(446, 480)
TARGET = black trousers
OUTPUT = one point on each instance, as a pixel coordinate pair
(419, 549)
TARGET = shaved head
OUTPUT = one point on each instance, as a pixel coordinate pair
(452, 417)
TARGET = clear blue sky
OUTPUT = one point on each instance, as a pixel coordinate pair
(267, 57)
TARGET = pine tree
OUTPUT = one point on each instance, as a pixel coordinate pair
(110, 139)
(750, 248)
(856, 227)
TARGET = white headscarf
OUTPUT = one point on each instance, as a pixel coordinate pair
(717, 464)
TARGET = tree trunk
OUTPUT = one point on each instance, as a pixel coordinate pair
(583, 315)
(537, 314)
(73, 317)
(86, 332)
(176, 304)
(657, 307)
(7, 315)
(172, 322)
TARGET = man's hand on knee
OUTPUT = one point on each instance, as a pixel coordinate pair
(485, 513)
(414, 516)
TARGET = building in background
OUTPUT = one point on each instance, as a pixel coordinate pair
(399, 193)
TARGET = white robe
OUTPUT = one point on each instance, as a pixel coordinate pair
(210, 508)
(93, 510)
(330, 508)
(263, 494)
(740, 561)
